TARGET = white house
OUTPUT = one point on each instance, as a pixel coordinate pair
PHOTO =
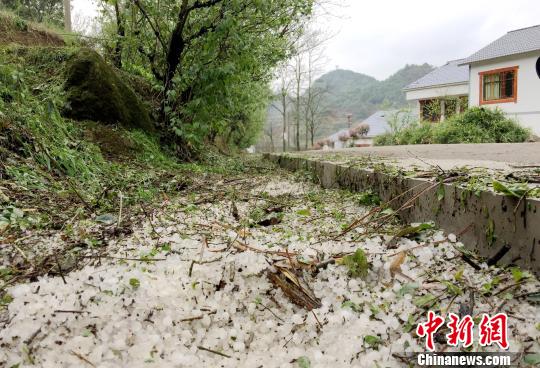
(506, 74)
(441, 93)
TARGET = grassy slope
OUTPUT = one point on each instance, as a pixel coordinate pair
(59, 176)
(45, 155)
(13, 29)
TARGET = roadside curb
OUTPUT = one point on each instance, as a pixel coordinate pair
(499, 228)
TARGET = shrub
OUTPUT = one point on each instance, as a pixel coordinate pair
(359, 131)
(480, 125)
(344, 136)
(476, 125)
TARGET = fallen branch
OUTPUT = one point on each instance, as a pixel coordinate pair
(213, 351)
(83, 358)
(499, 255)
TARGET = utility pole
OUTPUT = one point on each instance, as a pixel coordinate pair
(67, 15)
(284, 115)
(349, 120)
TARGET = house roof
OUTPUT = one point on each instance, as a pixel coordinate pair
(450, 73)
(514, 42)
(378, 122)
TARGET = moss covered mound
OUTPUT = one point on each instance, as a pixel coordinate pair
(95, 92)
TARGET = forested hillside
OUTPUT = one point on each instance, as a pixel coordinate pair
(338, 93)
(362, 95)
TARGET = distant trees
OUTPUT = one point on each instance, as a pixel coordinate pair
(313, 96)
(50, 11)
(297, 99)
(281, 104)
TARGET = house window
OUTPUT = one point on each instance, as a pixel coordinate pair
(498, 86)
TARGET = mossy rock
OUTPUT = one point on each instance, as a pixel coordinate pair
(95, 92)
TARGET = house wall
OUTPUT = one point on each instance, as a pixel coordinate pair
(527, 107)
(436, 92)
(339, 144)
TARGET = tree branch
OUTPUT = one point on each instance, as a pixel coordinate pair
(207, 29)
(151, 56)
(206, 4)
(154, 28)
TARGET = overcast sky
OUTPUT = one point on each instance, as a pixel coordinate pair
(378, 37)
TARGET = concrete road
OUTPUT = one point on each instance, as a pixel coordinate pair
(506, 156)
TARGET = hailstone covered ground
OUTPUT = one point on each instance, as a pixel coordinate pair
(189, 288)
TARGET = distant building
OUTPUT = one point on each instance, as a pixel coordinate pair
(441, 93)
(505, 74)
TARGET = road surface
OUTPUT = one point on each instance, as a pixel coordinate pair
(488, 155)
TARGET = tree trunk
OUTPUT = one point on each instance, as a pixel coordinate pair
(67, 15)
(174, 55)
(272, 140)
(306, 120)
(121, 33)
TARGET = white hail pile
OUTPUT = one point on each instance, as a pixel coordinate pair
(227, 314)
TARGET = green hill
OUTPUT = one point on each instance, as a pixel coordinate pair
(362, 95)
(348, 92)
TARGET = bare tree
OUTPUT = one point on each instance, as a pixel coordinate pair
(314, 94)
(300, 103)
(269, 132)
(307, 65)
(313, 112)
(282, 101)
(298, 82)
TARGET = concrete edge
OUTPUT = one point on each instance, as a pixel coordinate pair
(493, 225)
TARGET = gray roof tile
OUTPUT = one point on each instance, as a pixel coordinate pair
(450, 73)
(514, 42)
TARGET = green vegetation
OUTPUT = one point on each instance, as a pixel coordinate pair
(516, 190)
(45, 153)
(476, 125)
(14, 29)
(64, 169)
(92, 139)
(42, 11)
(357, 264)
(210, 62)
